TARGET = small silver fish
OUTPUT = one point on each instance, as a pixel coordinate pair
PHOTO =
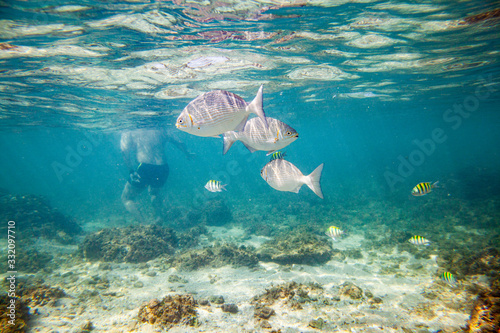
(334, 232)
(419, 240)
(256, 136)
(217, 112)
(284, 176)
(215, 186)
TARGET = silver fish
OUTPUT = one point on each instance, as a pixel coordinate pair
(217, 112)
(256, 136)
(215, 186)
(284, 176)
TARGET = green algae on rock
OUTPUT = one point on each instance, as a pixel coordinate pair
(130, 244)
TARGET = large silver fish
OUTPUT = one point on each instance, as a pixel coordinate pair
(284, 176)
(256, 136)
(218, 111)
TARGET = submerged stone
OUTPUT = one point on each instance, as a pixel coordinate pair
(130, 244)
(170, 311)
(34, 217)
(296, 248)
(216, 256)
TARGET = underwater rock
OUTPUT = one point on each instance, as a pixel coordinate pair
(216, 299)
(485, 314)
(22, 315)
(217, 213)
(351, 290)
(87, 327)
(191, 237)
(170, 311)
(35, 218)
(33, 261)
(292, 293)
(318, 323)
(263, 312)
(176, 279)
(216, 256)
(296, 248)
(231, 308)
(130, 244)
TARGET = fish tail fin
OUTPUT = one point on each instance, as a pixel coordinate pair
(313, 181)
(228, 139)
(224, 187)
(435, 184)
(256, 106)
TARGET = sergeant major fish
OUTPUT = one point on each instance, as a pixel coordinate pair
(423, 188)
(277, 155)
(284, 176)
(218, 111)
(334, 232)
(256, 136)
(215, 186)
(419, 240)
(448, 278)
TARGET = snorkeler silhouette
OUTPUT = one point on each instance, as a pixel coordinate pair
(144, 154)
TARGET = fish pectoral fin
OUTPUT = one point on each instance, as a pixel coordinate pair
(297, 189)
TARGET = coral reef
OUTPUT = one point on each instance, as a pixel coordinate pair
(216, 256)
(21, 315)
(130, 244)
(35, 218)
(296, 248)
(170, 311)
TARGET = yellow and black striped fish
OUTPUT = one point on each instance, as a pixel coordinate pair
(334, 232)
(277, 156)
(448, 278)
(419, 240)
(423, 188)
(215, 186)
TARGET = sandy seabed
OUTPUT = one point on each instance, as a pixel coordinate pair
(400, 294)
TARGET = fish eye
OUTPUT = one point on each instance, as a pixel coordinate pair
(180, 121)
(288, 133)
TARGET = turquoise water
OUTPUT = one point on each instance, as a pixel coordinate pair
(359, 81)
(386, 94)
